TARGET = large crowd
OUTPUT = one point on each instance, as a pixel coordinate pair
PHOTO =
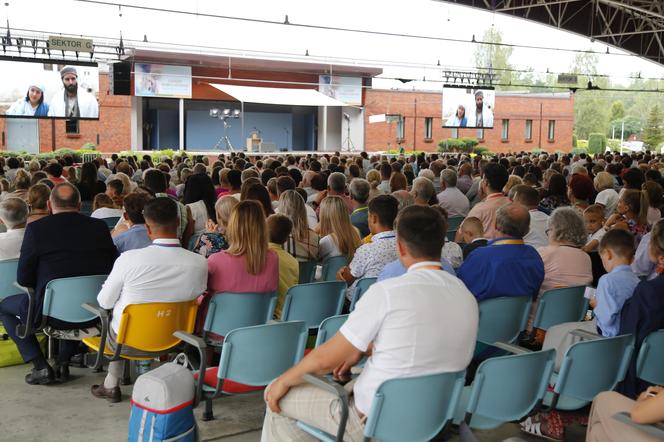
(189, 227)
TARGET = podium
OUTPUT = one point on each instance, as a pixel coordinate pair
(254, 143)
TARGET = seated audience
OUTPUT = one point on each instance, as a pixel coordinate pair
(385, 173)
(451, 198)
(336, 186)
(580, 190)
(359, 195)
(472, 235)
(423, 191)
(133, 234)
(104, 207)
(556, 194)
(303, 243)
(631, 214)
(279, 229)
(155, 181)
(373, 176)
(655, 197)
(90, 185)
(529, 197)
(214, 239)
(13, 215)
(495, 178)
(606, 197)
(115, 190)
(642, 265)
(37, 200)
(21, 185)
(400, 322)
(593, 217)
(161, 272)
(338, 236)
(199, 197)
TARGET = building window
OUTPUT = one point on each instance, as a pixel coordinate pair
(552, 130)
(71, 127)
(428, 128)
(529, 130)
(480, 134)
(504, 135)
(401, 128)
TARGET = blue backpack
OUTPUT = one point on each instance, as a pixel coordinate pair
(162, 405)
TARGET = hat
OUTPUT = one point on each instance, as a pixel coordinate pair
(68, 70)
(477, 93)
(39, 86)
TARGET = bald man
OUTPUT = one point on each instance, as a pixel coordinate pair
(506, 266)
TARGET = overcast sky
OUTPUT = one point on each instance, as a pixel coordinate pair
(422, 17)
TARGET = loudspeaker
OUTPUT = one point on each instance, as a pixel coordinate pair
(119, 78)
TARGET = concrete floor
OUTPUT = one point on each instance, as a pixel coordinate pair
(68, 413)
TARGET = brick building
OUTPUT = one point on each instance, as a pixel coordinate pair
(522, 122)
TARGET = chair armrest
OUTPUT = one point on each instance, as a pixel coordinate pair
(336, 389)
(104, 317)
(515, 349)
(195, 341)
(656, 430)
(586, 335)
(27, 328)
(95, 309)
(198, 343)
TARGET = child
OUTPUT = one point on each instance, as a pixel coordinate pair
(471, 233)
(632, 214)
(103, 207)
(279, 229)
(594, 219)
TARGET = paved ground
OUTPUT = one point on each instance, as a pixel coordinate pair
(68, 413)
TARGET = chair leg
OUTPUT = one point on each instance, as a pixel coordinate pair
(126, 374)
(207, 414)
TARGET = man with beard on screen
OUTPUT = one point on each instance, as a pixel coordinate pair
(481, 115)
(72, 101)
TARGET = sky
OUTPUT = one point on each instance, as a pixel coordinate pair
(420, 17)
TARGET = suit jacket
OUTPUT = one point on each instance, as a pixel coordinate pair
(61, 246)
(641, 315)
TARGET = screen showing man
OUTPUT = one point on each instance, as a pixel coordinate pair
(468, 107)
(72, 101)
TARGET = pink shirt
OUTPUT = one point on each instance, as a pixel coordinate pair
(227, 273)
(486, 212)
(565, 267)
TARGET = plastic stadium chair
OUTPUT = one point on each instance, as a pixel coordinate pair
(650, 362)
(505, 389)
(403, 409)
(361, 287)
(251, 356)
(329, 327)
(560, 305)
(502, 319)
(453, 224)
(228, 311)
(588, 368)
(192, 242)
(8, 270)
(86, 208)
(313, 302)
(331, 266)
(111, 221)
(307, 271)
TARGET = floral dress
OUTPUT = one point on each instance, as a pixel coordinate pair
(210, 243)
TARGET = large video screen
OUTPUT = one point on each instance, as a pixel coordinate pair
(44, 89)
(470, 107)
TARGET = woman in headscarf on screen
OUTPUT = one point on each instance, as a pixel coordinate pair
(32, 105)
(459, 118)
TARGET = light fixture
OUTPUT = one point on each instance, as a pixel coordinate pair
(215, 113)
(226, 112)
(236, 113)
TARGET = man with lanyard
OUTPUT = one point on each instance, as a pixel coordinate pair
(359, 194)
(422, 322)
(506, 266)
(72, 101)
(494, 179)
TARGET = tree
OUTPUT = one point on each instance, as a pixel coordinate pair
(495, 58)
(653, 135)
(591, 107)
(617, 110)
(633, 125)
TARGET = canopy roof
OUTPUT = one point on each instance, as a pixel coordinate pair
(274, 95)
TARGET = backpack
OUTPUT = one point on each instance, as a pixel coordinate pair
(162, 405)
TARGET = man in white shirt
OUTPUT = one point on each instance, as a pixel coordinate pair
(162, 272)
(13, 214)
(529, 197)
(451, 198)
(419, 323)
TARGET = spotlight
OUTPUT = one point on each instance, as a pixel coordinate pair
(226, 112)
(215, 113)
(236, 113)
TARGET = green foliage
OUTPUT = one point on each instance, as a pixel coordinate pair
(653, 135)
(579, 150)
(617, 110)
(575, 140)
(582, 144)
(481, 150)
(596, 143)
(613, 144)
(158, 154)
(633, 125)
(495, 58)
(466, 145)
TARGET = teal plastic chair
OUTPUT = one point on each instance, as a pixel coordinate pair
(111, 221)
(251, 356)
(502, 319)
(329, 327)
(307, 272)
(228, 311)
(86, 208)
(192, 242)
(360, 288)
(453, 224)
(505, 389)
(403, 409)
(331, 266)
(588, 368)
(650, 361)
(314, 302)
(8, 269)
(558, 306)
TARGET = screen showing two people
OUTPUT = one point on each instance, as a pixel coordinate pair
(468, 107)
(43, 90)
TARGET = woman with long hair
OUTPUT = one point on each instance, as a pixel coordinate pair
(257, 192)
(89, 185)
(303, 242)
(338, 236)
(214, 239)
(199, 196)
(632, 214)
(556, 193)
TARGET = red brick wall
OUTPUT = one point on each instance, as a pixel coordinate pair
(517, 109)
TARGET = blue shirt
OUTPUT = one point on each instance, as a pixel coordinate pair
(505, 267)
(134, 238)
(360, 219)
(613, 289)
(395, 268)
(642, 265)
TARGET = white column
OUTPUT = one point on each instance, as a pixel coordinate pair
(136, 123)
(181, 124)
(325, 128)
(243, 139)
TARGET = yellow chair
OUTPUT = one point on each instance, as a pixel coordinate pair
(145, 327)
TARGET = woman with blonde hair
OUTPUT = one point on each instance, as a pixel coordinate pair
(214, 239)
(338, 236)
(398, 181)
(127, 185)
(607, 197)
(373, 176)
(303, 242)
(512, 181)
(37, 197)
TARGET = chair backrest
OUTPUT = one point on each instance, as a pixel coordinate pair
(228, 311)
(560, 305)
(360, 288)
(86, 207)
(8, 270)
(502, 319)
(589, 367)
(650, 362)
(307, 271)
(507, 388)
(329, 327)
(413, 408)
(313, 302)
(453, 224)
(331, 266)
(257, 355)
(192, 242)
(63, 297)
(150, 327)
(111, 221)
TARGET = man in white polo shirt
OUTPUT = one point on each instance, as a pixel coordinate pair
(420, 323)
